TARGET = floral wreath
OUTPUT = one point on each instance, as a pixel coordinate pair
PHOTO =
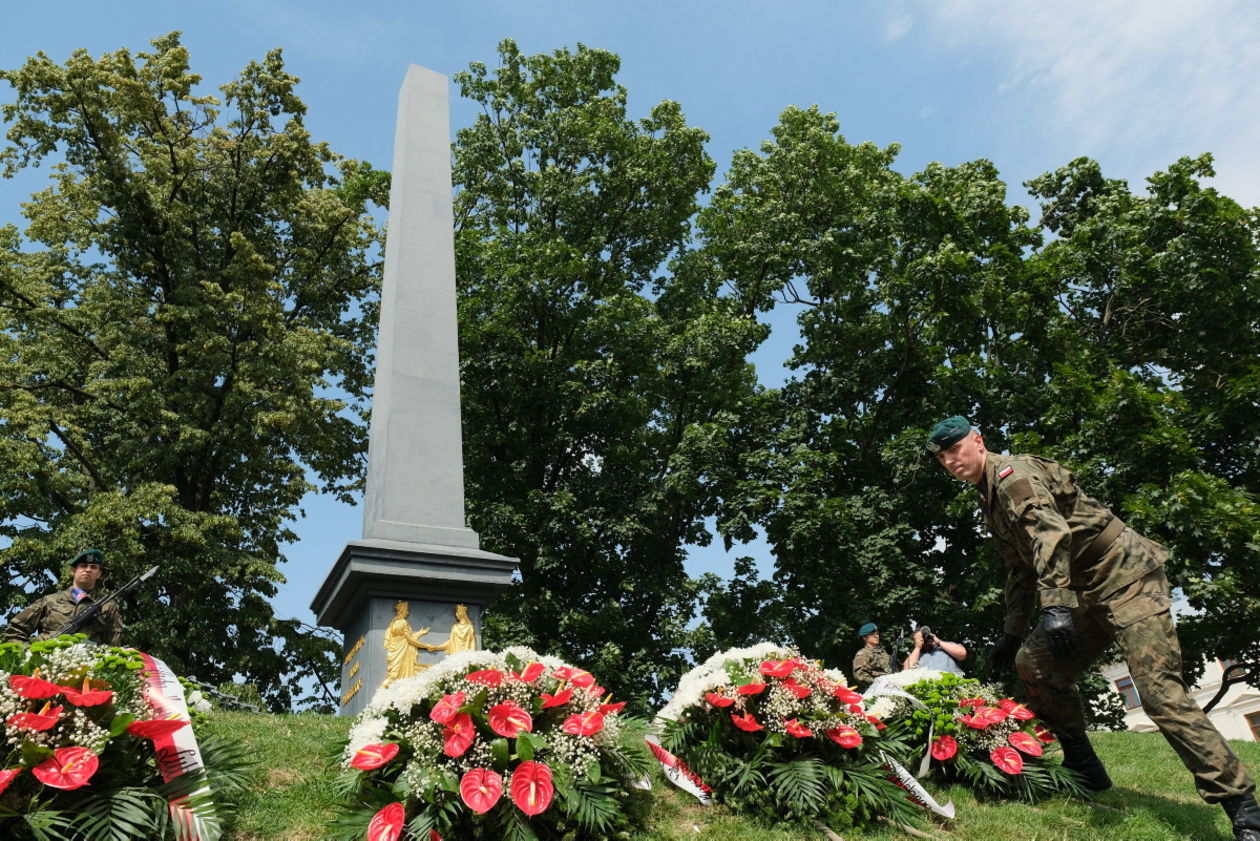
(494, 745)
(781, 737)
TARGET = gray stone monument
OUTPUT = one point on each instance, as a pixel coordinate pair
(416, 548)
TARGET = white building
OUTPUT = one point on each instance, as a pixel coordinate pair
(1236, 715)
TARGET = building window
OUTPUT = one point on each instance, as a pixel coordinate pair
(1253, 721)
(1126, 688)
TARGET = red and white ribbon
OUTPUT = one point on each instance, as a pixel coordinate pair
(677, 772)
(177, 753)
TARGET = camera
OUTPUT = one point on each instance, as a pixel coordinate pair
(929, 639)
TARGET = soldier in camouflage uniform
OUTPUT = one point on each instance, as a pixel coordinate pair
(53, 612)
(1096, 581)
(872, 660)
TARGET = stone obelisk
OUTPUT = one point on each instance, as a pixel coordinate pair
(416, 548)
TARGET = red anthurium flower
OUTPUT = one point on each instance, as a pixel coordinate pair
(559, 698)
(583, 724)
(6, 777)
(480, 789)
(87, 697)
(746, 722)
(531, 673)
(446, 709)
(972, 702)
(33, 687)
(458, 735)
(532, 788)
(779, 668)
(374, 756)
(795, 688)
(563, 673)
(1025, 743)
(1016, 711)
(508, 719)
(751, 688)
(1043, 735)
(486, 677)
(845, 737)
(718, 700)
(582, 679)
(983, 717)
(856, 709)
(847, 695)
(67, 768)
(433, 835)
(595, 691)
(42, 720)
(944, 747)
(795, 728)
(612, 709)
(155, 728)
(387, 824)
(1007, 759)
(874, 719)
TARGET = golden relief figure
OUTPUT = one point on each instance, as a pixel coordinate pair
(402, 647)
(463, 635)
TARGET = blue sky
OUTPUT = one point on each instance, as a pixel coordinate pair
(1029, 85)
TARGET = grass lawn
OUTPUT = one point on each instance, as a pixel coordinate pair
(292, 797)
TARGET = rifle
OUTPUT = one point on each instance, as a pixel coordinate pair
(1236, 673)
(94, 608)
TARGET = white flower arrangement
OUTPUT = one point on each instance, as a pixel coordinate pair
(712, 673)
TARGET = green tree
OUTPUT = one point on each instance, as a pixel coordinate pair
(912, 294)
(188, 290)
(1126, 347)
(598, 395)
(1158, 410)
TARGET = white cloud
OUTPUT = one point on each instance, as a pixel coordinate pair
(1144, 80)
(898, 27)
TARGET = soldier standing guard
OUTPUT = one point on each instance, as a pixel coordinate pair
(1095, 581)
(872, 660)
(53, 612)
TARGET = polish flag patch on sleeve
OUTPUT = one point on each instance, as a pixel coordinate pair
(1005, 471)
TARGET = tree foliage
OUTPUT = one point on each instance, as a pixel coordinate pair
(1124, 346)
(196, 275)
(597, 392)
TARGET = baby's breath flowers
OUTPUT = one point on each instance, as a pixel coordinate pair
(484, 738)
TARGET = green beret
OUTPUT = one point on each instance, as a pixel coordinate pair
(947, 433)
(89, 556)
(868, 628)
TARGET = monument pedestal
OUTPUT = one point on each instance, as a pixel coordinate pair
(372, 576)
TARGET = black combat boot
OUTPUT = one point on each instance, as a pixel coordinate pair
(1078, 755)
(1244, 817)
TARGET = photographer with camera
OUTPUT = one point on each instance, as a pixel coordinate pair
(932, 652)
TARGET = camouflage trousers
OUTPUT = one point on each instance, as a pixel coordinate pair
(1137, 617)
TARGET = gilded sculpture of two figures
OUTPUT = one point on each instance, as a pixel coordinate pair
(402, 645)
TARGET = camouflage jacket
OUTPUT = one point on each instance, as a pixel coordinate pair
(870, 663)
(1044, 525)
(53, 612)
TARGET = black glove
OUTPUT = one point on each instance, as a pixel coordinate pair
(1002, 654)
(1060, 632)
